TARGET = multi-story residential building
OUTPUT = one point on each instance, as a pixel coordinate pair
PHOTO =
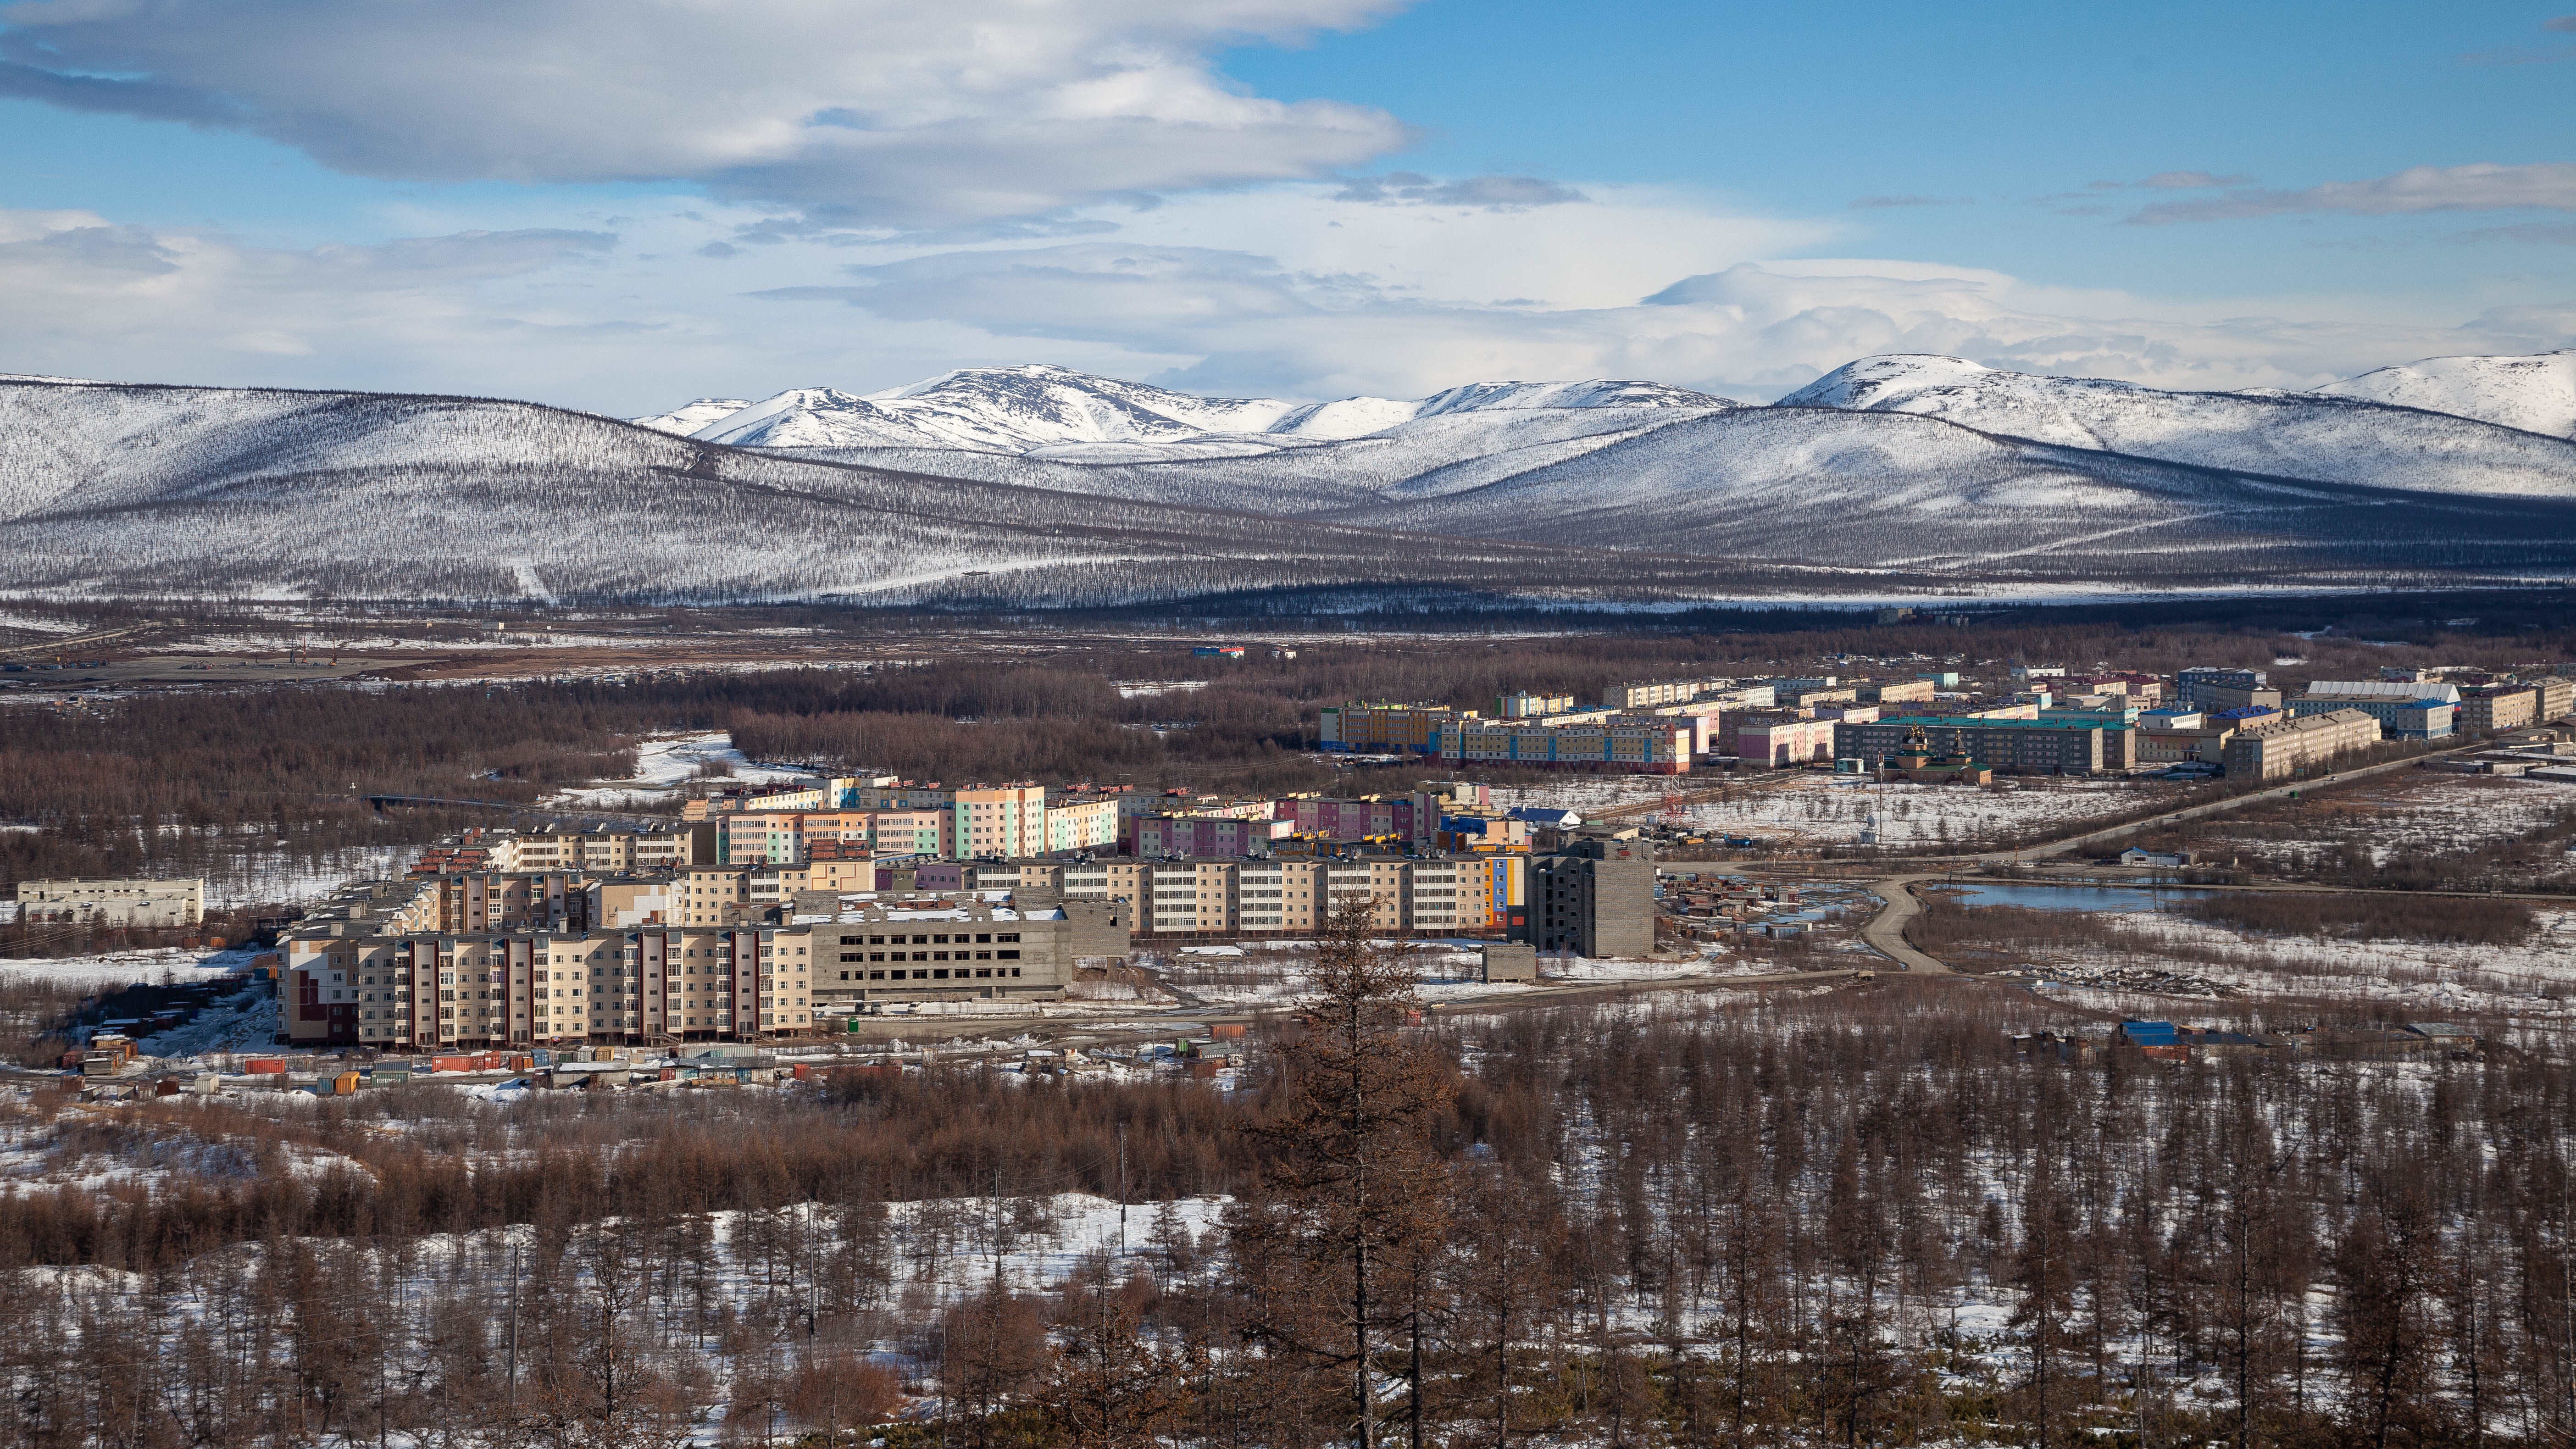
(597, 851)
(1778, 741)
(1594, 905)
(1437, 895)
(2498, 707)
(436, 991)
(492, 900)
(1643, 745)
(1130, 881)
(1188, 835)
(1897, 691)
(1526, 705)
(1081, 822)
(2278, 747)
(2179, 736)
(2032, 746)
(1384, 728)
(1668, 691)
(1411, 816)
(133, 903)
(2555, 698)
(2191, 688)
(2405, 709)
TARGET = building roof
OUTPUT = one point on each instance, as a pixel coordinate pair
(2401, 690)
(1977, 723)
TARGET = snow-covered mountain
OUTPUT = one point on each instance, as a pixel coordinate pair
(2536, 393)
(1029, 408)
(2308, 436)
(1053, 488)
(681, 421)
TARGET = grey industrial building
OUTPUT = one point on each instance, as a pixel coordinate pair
(2028, 745)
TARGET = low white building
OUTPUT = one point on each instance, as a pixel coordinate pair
(113, 902)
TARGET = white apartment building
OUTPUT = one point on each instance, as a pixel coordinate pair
(146, 903)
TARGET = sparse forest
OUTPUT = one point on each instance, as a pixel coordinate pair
(1864, 1218)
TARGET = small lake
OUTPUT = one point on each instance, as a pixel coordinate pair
(2070, 898)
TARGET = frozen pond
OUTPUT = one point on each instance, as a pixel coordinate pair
(2071, 898)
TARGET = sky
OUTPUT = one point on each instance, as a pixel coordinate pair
(623, 206)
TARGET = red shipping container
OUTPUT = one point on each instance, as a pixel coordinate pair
(451, 1064)
(802, 1071)
(1227, 1031)
(264, 1066)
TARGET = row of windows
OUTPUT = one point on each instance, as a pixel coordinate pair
(985, 938)
(933, 974)
(925, 956)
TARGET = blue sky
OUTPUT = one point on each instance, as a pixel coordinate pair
(619, 206)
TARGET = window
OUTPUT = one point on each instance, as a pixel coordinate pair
(1009, 956)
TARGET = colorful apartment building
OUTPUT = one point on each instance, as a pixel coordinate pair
(1384, 728)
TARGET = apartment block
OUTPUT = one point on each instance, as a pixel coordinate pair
(598, 850)
(436, 991)
(1642, 745)
(1154, 835)
(1668, 691)
(1784, 741)
(2556, 698)
(2032, 746)
(1384, 728)
(136, 902)
(492, 900)
(2278, 747)
(2484, 711)
(1081, 822)
(1593, 906)
(1413, 816)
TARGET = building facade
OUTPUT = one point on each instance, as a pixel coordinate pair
(1593, 906)
(2029, 746)
(133, 903)
(2279, 747)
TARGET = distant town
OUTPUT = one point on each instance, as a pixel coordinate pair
(793, 910)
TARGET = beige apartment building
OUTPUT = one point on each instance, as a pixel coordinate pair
(2485, 711)
(1292, 895)
(2278, 747)
(436, 991)
(600, 850)
(144, 903)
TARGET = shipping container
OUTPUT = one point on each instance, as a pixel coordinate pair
(264, 1066)
(451, 1064)
(802, 1071)
(1227, 1031)
(345, 1085)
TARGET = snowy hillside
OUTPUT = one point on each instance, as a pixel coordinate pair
(1891, 490)
(2288, 435)
(1030, 408)
(1040, 487)
(681, 421)
(2536, 393)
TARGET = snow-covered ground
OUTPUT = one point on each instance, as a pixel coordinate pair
(151, 966)
(663, 763)
(2414, 813)
(246, 1021)
(2533, 979)
(1806, 808)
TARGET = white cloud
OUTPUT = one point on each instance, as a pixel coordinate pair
(175, 306)
(1283, 290)
(2548, 185)
(883, 112)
